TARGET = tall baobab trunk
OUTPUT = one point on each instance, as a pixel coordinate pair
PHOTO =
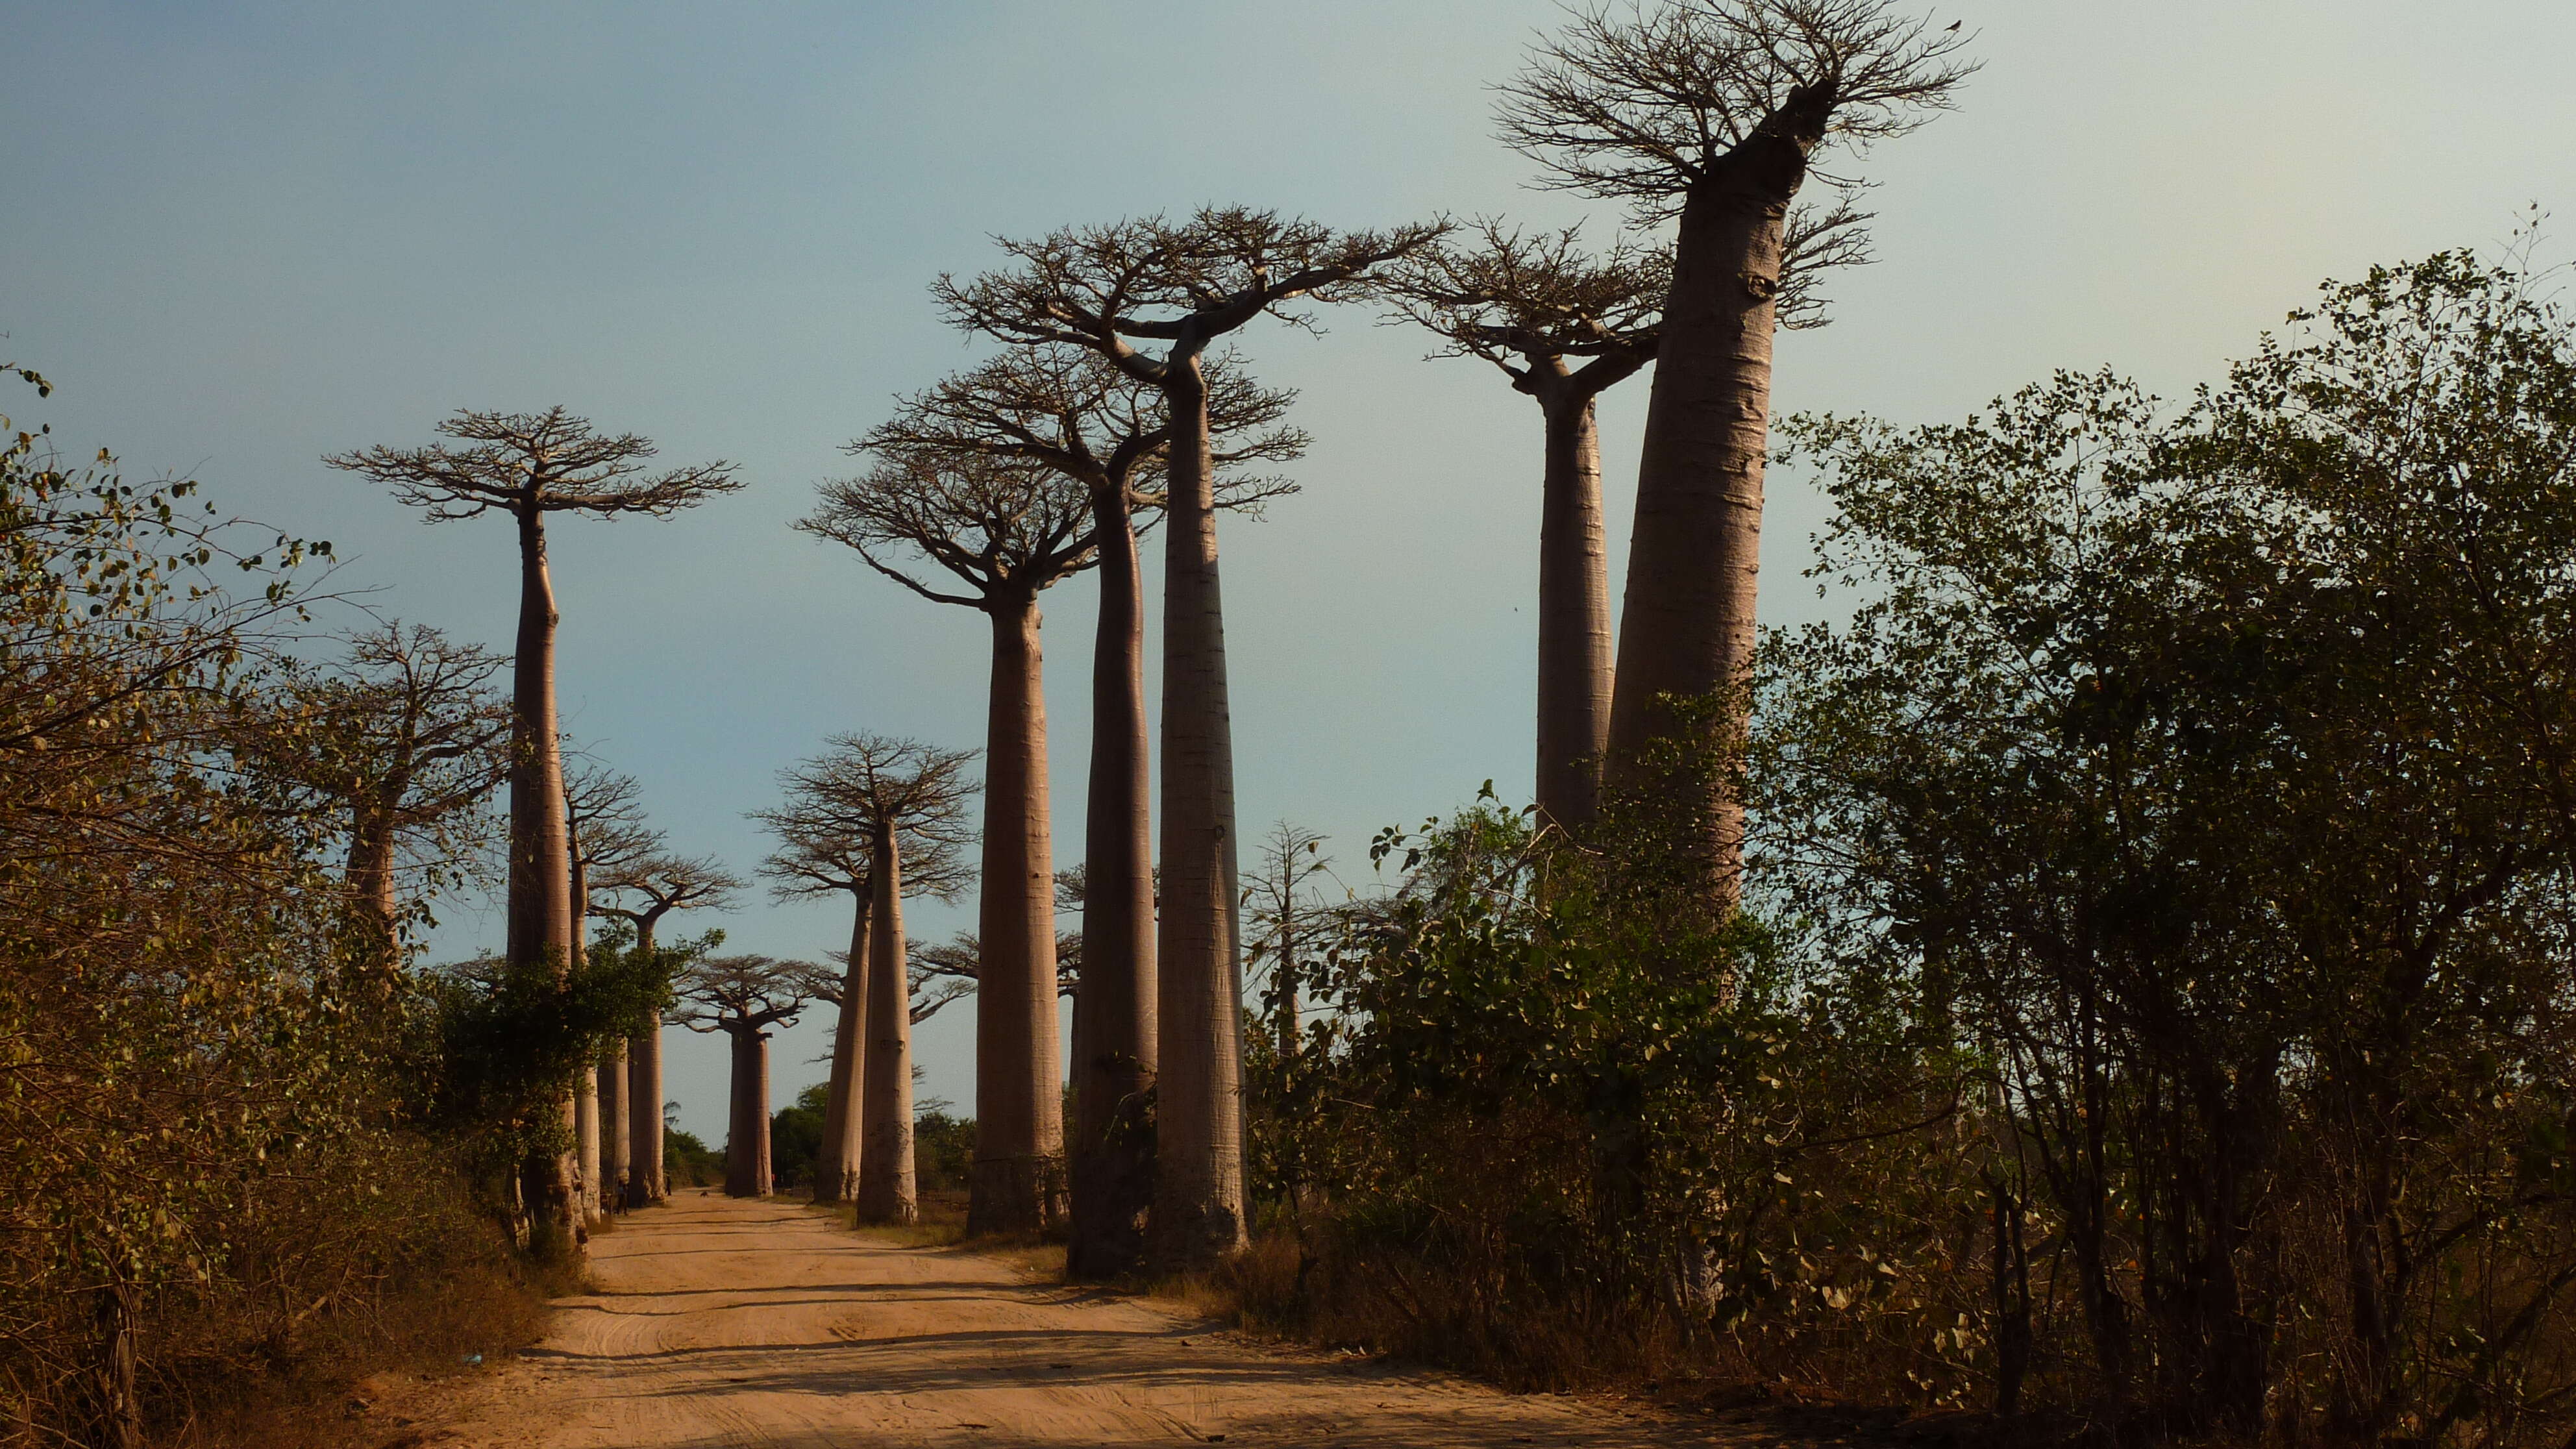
(887, 1192)
(1686, 623)
(540, 888)
(747, 1129)
(1198, 1174)
(1112, 1152)
(371, 859)
(644, 1185)
(585, 1092)
(1017, 1182)
(615, 1147)
(1573, 609)
(837, 1161)
(644, 1128)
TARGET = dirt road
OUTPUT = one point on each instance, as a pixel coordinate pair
(725, 1322)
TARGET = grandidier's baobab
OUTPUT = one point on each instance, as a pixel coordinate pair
(410, 740)
(1123, 290)
(1564, 327)
(641, 893)
(1711, 113)
(743, 997)
(1071, 410)
(604, 821)
(1008, 530)
(866, 805)
(528, 465)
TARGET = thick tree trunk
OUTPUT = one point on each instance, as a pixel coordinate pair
(644, 1184)
(585, 1098)
(616, 1150)
(644, 1127)
(887, 1192)
(1112, 1151)
(1018, 1178)
(1198, 1174)
(836, 1161)
(1686, 622)
(371, 861)
(585, 1136)
(742, 1138)
(1573, 611)
(540, 883)
(764, 1172)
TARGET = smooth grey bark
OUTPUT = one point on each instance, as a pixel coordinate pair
(1111, 1157)
(645, 1186)
(1574, 644)
(887, 1190)
(1017, 1180)
(1694, 556)
(837, 1162)
(1198, 1211)
(540, 881)
(747, 1134)
(616, 1150)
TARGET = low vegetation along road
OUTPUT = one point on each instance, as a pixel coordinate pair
(723, 1321)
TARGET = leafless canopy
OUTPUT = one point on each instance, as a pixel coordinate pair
(645, 890)
(929, 987)
(1071, 410)
(1007, 527)
(1182, 284)
(1523, 300)
(604, 813)
(1642, 101)
(953, 967)
(411, 726)
(742, 994)
(836, 799)
(531, 463)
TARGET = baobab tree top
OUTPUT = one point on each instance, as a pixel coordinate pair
(529, 463)
(1513, 297)
(1007, 528)
(742, 993)
(1071, 409)
(838, 799)
(1180, 283)
(1645, 101)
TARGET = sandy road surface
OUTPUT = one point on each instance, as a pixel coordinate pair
(725, 1322)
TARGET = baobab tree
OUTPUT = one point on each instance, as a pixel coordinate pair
(743, 997)
(528, 465)
(643, 892)
(1712, 113)
(867, 804)
(1071, 410)
(408, 739)
(1008, 530)
(1118, 290)
(604, 821)
(1564, 328)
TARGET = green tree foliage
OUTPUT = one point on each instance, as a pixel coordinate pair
(796, 1136)
(233, 1126)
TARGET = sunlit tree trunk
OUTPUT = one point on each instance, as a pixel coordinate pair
(1574, 656)
(540, 884)
(1198, 1183)
(887, 1192)
(1686, 622)
(585, 1097)
(615, 1145)
(1112, 1150)
(837, 1161)
(371, 858)
(644, 1184)
(1018, 1174)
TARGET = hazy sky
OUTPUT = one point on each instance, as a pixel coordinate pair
(240, 236)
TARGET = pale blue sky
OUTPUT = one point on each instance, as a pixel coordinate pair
(240, 236)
